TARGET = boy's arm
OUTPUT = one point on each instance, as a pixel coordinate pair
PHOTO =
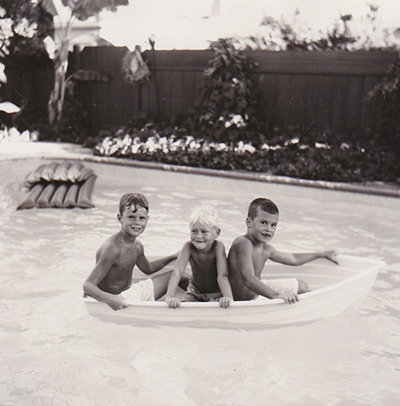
(300, 258)
(244, 260)
(90, 287)
(151, 267)
(175, 278)
(223, 281)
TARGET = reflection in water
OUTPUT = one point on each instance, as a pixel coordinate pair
(54, 353)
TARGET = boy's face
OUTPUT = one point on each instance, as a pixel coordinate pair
(133, 220)
(262, 228)
(202, 235)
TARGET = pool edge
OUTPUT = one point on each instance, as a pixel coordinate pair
(76, 152)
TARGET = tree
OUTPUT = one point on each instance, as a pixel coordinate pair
(65, 13)
(229, 104)
(23, 27)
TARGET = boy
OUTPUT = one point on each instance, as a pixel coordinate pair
(118, 255)
(207, 258)
(249, 253)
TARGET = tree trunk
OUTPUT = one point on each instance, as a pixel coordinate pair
(56, 101)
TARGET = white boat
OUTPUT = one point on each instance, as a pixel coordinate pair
(334, 288)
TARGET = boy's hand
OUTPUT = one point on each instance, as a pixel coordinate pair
(225, 301)
(331, 255)
(173, 302)
(289, 297)
(116, 302)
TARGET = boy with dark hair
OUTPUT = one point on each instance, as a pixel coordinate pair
(118, 255)
(249, 253)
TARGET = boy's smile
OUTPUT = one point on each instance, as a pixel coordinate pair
(133, 220)
(262, 228)
(203, 236)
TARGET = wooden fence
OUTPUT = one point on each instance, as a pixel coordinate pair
(323, 90)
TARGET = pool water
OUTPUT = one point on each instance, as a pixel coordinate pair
(54, 353)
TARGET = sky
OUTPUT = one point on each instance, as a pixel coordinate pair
(189, 24)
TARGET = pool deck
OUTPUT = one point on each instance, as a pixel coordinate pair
(50, 150)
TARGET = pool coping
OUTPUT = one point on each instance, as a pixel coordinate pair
(47, 150)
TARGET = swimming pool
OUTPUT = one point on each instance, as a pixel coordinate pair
(54, 353)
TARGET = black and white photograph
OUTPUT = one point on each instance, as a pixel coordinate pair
(200, 202)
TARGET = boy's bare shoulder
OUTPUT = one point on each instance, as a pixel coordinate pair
(239, 241)
(109, 245)
(219, 244)
(188, 244)
(267, 251)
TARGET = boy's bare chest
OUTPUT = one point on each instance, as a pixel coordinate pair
(127, 258)
(203, 263)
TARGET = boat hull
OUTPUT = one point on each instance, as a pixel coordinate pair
(334, 288)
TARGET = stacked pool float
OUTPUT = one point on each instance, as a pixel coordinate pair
(59, 185)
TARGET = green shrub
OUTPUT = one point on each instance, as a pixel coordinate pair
(337, 163)
(229, 104)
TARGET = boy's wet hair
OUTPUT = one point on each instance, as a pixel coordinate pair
(264, 204)
(206, 214)
(136, 200)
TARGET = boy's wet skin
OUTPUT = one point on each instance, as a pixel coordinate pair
(207, 258)
(120, 253)
(249, 253)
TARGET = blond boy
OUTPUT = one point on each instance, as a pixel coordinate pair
(207, 258)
